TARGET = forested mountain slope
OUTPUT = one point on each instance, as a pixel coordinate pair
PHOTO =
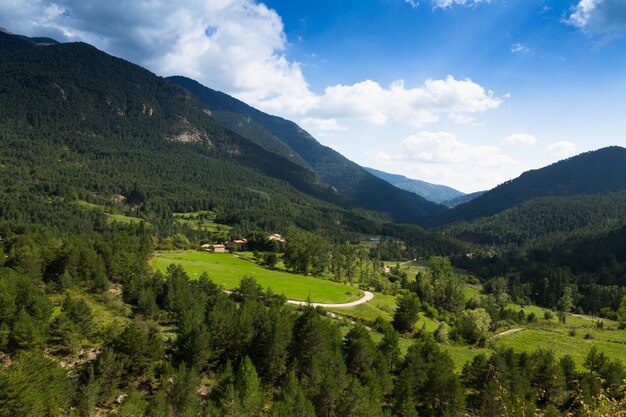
(76, 123)
(348, 178)
(436, 193)
(547, 219)
(592, 173)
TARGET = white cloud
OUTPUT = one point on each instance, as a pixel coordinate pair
(444, 4)
(520, 48)
(238, 46)
(441, 158)
(369, 101)
(445, 148)
(562, 149)
(412, 3)
(520, 139)
(462, 119)
(599, 17)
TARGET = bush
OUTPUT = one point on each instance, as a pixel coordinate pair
(474, 324)
(548, 315)
(572, 332)
(588, 336)
(442, 332)
(531, 318)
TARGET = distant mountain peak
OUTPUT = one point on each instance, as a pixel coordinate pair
(4, 30)
(432, 192)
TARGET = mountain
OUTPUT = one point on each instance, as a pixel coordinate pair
(432, 192)
(78, 124)
(544, 219)
(462, 199)
(347, 178)
(83, 133)
(591, 173)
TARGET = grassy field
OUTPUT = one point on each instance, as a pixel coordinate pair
(111, 217)
(575, 337)
(382, 305)
(107, 308)
(201, 220)
(227, 270)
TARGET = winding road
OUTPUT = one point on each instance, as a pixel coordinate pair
(367, 297)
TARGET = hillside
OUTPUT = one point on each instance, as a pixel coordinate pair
(546, 219)
(462, 199)
(77, 123)
(439, 194)
(591, 173)
(348, 178)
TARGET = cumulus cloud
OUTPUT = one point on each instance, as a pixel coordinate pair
(369, 101)
(412, 3)
(445, 148)
(462, 119)
(444, 4)
(520, 139)
(562, 149)
(599, 17)
(440, 157)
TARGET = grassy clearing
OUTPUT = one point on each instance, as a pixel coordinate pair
(471, 291)
(412, 268)
(107, 308)
(550, 334)
(111, 217)
(381, 306)
(201, 220)
(227, 270)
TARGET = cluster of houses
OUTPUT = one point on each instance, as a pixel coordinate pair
(237, 244)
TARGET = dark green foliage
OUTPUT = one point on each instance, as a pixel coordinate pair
(316, 350)
(429, 384)
(406, 313)
(183, 395)
(292, 402)
(137, 348)
(134, 405)
(34, 386)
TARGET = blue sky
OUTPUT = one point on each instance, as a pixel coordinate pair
(468, 93)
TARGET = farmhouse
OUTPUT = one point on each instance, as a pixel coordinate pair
(277, 238)
(237, 244)
(216, 248)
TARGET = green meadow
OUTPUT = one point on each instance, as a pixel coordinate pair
(227, 270)
(111, 217)
(201, 220)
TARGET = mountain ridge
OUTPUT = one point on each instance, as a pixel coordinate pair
(436, 193)
(348, 178)
(590, 173)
